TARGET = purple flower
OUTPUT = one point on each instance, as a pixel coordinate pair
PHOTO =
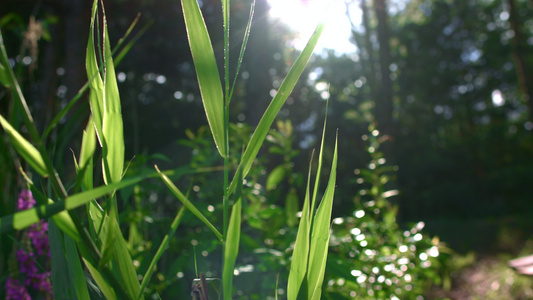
(39, 237)
(42, 284)
(25, 200)
(27, 265)
(36, 246)
(16, 291)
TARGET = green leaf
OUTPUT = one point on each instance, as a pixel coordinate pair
(4, 76)
(291, 208)
(320, 236)
(28, 152)
(61, 114)
(243, 47)
(319, 168)
(107, 235)
(61, 280)
(122, 257)
(188, 203)
(105, 287)
(88, 146)
(206, 71)
(275, 105)
(112, 125)
(96, 84)
(161, 249)
(129, 45)
(300, 254)
(25, 218)
(75, 269)
(275, 177)
(231, 248)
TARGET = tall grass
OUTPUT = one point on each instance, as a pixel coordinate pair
(94, 242)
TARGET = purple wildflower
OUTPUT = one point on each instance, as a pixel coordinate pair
(39, 237)
(36, 236)
(25, 200)
(42, 284)
(16, 291)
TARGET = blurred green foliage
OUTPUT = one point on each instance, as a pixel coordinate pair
(462, 160)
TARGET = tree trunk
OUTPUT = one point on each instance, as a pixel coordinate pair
(369, 66)
(384, 105)
(519, 53)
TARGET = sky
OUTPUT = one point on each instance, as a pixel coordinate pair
(302, 16)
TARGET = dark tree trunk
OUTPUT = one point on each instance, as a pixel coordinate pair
(384, 105)
(369, 66)
(520, 53)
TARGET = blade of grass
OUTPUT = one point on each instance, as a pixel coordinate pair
(300, 253)
(96, 84)
(275, 105)
(61, 284)
(118, 58)
(112, 125)
(106, 288)
(231, 244)
(188, 203)
(23, 219)
(319, 168)
(75, 269)
(122, 257)
(12, 83)
(88, 146)
(107, 235)
(28, 152)
(160, 250)
(241, 54)
(206, 71)
(225, 17)
(320, 235)
(231, 249)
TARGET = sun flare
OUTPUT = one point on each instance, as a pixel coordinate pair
(302, 16)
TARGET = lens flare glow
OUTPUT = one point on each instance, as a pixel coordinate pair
(302, 16)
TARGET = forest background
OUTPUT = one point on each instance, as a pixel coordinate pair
(448, 85)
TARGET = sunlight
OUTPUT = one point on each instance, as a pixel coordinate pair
(302, 16)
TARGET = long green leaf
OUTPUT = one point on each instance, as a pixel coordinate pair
(108, 235)
(300, 254)
(112, 125)
(16, 91)
(320, 236)
(23, 219)
(231, 249)
(61, 280)
(96, 85)
(88, 146)
(188, 204)
(25, 149)
(241, 54)
(160, 250)
(319, 168)
(105, 287)
(118, 58)
(122, 257)
(231, 244)
(206, 71)
(75, 269)
(4, 76)
(275, 105)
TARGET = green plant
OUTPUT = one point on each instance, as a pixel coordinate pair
(90, 229)
(372, 256)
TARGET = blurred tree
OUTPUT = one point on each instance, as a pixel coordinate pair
(522, 61)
